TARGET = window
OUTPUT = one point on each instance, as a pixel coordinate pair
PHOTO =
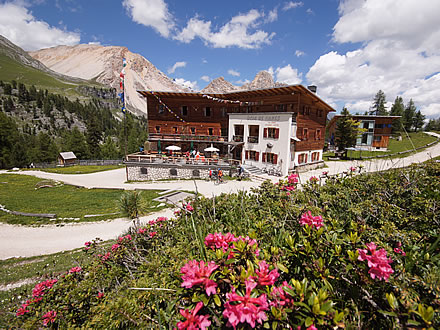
(318, 134)
(377, 138)
(208, 112)
(223, 110)
(173, 172)
(252, 155)
(271, 132)
(270, 158)
(210, 131)
(157, 129)
(378, 126)
(193, 130)
(281, 107)
(319, 113)
(184, 110)
(175, 130)
(196, 173)
(144, 170)
(315, 156)
(302, 158)
(161, 108)
(307, 110)
(305, 135)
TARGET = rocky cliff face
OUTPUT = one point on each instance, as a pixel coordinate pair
(104, 64)
(220, 85)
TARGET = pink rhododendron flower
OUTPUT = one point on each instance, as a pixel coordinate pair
(100, 295)
(281, 298)
(49, 317)
(142, 230)
(159, 219)
(219, 241)
(194, 321)
(308, 219)
(325, 173)
(115, 247)
(197, 273)
(88, 243)
(152, 234)
(126, 237)
(399, 250)
(188, 207)
(240, 309)
(292, 178)
(312, 327)
(378, 262)
(313, 179)
(104, 257)
(75, 270)
(177, 212)
(264, 276)
(41, 288)
(352, 168)
(22, 310)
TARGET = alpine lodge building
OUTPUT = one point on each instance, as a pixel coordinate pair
(281, 128)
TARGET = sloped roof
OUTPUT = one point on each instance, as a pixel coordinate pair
(244, 95)
(67, 155)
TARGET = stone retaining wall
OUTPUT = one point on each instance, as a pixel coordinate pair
(154, 172)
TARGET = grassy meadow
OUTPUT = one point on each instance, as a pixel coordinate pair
(78, 169)
(29, 194)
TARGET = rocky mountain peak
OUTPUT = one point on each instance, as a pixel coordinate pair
(219, 85)
(263, 79)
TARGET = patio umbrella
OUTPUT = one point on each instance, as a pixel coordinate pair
(158, 146)
(173, 148)
(212, 149)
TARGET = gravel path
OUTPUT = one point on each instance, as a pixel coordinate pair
(30, 241)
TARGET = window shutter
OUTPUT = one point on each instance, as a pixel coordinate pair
(265, 133)
(257, 156)
(247, 154)
(275, 159)
(264, 157)
(305, 158)
(277, 133)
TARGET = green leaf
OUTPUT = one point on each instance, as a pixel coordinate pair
(282, 268)
(309, 321)
(217, 300)
(388, 313)
(326, 306)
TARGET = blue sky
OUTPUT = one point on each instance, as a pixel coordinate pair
(349, 48)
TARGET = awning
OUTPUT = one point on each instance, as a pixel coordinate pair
(233, 143)
(294, 138)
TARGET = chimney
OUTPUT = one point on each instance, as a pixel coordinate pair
(312, 88)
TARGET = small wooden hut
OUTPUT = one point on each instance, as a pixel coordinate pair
(66, 158)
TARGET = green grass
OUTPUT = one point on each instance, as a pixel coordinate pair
(415, 140)
(13, 70)
(78, 169)
(19, 193)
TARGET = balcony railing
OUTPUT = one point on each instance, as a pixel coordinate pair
(186, 137)
(252, 139)
(155, 158)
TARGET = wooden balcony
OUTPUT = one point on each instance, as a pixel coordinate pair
(187, 138)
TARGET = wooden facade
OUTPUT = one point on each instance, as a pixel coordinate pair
(379, 127)
(171, 112)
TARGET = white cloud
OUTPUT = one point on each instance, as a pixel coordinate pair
(176, 65)
(291, 4)
(286, 74)
(153, 13)
(205, 78)
(187, 83)
(237, 32)
(234, 73)
(299, 53)
(310, 11)
(272, 16)
(242, 82)
(94, 43)
(395, 56)
(23, 29)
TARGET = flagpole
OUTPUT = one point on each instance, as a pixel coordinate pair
(124, 110)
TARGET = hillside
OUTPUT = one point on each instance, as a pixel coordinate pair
(104, 64)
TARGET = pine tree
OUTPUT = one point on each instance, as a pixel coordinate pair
(379, 104)
(347, 131)
(109, 150)
(397, 109)
(408, 115)
(94, 136)
(75, 141)
(419, 120)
